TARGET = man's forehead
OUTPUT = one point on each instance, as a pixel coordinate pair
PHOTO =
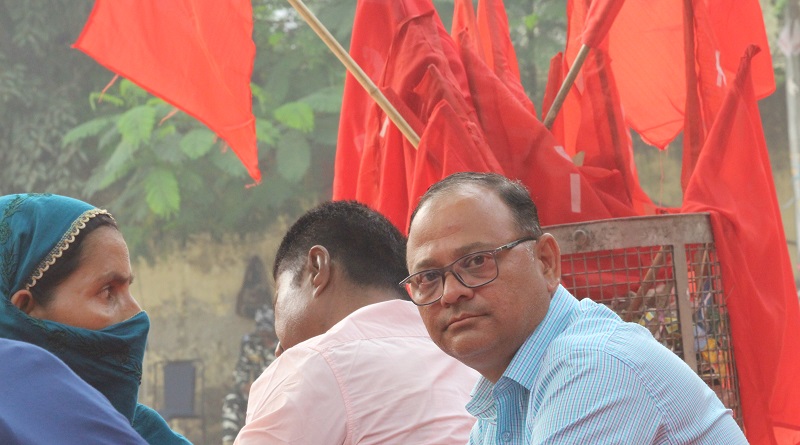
(448, 228)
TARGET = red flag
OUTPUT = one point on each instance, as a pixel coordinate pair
(599, 19)
(603, 135)
(498, 50)
(646, 49)
(464, 21)
(196, 55)
(733, 181)
(367, 140)
(527, 151)
(388, 36)
(597, 124)
(705, 86)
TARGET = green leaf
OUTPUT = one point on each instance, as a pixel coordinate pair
(197, 142)
(228, 162)
(293, 156)
(296, 115)
(259, 95)
(117, 166)
(266, 132)
(326, 100)
(531, 21)
(110, 137)
(163, 131)
(86, 130)
(123, 154)
(276, 38)
(136, 124)
(131, 92)
(167, 151)
(98, 98)
(163, 194)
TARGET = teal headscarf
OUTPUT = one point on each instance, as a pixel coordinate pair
(35, 230)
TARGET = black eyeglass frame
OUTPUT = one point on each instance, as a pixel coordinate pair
(449, 268)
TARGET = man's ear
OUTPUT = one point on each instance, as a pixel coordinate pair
(319, 263)
(549, 253)
(24, 301)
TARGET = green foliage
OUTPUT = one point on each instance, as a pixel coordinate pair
(136, 125)
(197, 142)
(293, 156)
(163, 194)
(296, 115)
(43, 88)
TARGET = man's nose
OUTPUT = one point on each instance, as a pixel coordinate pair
(454, 290)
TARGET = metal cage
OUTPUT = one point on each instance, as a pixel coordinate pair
(663, 273)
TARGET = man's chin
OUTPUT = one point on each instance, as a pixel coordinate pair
(465, 345)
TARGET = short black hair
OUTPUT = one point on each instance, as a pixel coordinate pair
(369, 247)
(513, 193)
(69, 261)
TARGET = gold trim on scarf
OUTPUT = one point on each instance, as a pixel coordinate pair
(66, 241)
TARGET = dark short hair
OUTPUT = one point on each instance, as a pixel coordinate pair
(43, 290)
(369, 247)
(513, 193)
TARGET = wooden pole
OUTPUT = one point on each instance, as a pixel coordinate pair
(565, 87)
(356, 71)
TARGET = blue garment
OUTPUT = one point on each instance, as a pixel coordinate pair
(44, 402)
(34, 231)
(586, 377)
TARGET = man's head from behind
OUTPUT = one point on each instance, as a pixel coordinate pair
(336, 258)
(483, 315)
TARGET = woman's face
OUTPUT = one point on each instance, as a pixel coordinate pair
(97, 294)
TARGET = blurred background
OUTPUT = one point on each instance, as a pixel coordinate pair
(201, 237)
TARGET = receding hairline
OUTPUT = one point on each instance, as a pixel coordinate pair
(451, 190)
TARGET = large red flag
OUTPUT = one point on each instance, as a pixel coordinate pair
(599, 18)
(527, 151)
(733, 181)
(464, 109)
(464, 21)
(410, 56)
(196, 55)
(498, 50)
(597, 127)
(647, 53)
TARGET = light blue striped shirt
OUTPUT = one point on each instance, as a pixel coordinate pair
(586, 377)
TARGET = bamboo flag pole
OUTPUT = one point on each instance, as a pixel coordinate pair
(565, 87)
(356, 71)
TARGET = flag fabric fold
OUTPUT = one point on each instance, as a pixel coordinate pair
(196, 55)
(733, 182)
(647, 51)
(498, 50)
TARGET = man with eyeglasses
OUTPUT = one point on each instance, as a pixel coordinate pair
(358, 366)
(555, 370)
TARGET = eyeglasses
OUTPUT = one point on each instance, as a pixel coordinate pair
(472, 270)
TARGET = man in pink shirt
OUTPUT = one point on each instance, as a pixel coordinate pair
(358, 366)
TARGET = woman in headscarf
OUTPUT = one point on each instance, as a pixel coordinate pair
(65, 279)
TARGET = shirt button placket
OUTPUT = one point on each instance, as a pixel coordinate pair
(506, 437)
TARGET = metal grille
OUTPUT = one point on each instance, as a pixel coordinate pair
(663, 273)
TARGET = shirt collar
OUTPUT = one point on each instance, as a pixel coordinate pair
(526, 362)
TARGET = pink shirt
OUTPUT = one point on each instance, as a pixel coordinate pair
(374, 378)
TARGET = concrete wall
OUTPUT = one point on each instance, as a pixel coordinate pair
(190, 297)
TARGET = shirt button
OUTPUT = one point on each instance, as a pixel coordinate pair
(506, 437)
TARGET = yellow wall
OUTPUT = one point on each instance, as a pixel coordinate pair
(190, 297)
